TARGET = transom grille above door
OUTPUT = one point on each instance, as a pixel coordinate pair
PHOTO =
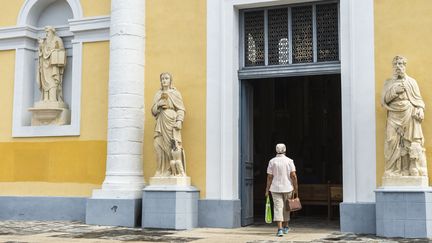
(298, 34)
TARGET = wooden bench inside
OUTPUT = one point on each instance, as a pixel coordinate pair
(321, 194)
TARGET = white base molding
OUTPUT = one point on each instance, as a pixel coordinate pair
(170, 181)
(405, 181)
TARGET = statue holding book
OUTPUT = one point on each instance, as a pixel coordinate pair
(51, 109)
(52, 62)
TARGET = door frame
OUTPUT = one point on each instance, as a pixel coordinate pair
(223, 98)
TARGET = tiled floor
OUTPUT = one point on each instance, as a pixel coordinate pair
(302, 230)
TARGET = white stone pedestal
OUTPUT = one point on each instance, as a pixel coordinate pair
(404, 212)
(50, 113)
(170, 181)
(170, 207)
(405, 181)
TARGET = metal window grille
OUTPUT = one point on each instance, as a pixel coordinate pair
(254, 38)
(302, 38)
(299, 34)
(327, 32)
(278, 46)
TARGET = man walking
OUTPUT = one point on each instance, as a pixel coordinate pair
(281, 182)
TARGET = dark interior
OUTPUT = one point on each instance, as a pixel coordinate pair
(305, 114)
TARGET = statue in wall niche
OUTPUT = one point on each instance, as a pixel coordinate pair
(51, 109)
(52, 62)
(404, 150)
(169, 111)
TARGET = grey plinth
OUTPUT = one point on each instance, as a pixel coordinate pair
(358, 217)
(115, 212)
(170, 207)
(404, 212)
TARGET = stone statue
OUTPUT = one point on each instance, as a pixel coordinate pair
(178, 160)
(169, 111)
(52, 61)
(51, 109)
(404, 150)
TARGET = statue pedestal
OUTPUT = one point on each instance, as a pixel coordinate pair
(170, 207)
(50, 113)
(170, 180)
(405, 181)
(404, 212)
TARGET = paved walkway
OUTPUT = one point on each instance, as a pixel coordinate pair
(54, 232)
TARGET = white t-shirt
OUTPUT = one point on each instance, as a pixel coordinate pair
(281, 167)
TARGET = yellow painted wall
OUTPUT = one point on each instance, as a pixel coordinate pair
(176, 43)
(57, 165)
(96, 7)
(10, 10)
(401, 28)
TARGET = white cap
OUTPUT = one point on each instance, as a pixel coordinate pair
(280, 148)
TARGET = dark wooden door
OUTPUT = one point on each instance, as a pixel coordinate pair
(246, 154)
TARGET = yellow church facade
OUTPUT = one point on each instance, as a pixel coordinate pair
(252, 73)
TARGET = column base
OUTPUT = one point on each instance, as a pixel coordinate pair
(116, 194)
(358, 218)
(404, 212)
(170, 207)
(114, 212)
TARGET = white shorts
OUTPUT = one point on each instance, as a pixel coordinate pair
(280, 212)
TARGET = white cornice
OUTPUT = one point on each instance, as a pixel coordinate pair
(18, 32)
(90, 23)
(90, 29)
(83, 30)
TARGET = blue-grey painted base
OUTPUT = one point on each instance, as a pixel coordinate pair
(170, 207)
(115, 212)
(404, 213)
(42, 208)
(219, 213)
(358, 218)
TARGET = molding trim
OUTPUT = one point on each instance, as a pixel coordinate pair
(289, 71)
(83, 30)
(25, 12)
(91, 29)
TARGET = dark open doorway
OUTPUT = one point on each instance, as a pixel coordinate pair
(304, 113)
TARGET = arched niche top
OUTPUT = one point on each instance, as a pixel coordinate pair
(32, 10)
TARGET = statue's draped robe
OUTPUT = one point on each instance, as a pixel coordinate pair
(50, 76)
(165, 132)
(400, 111)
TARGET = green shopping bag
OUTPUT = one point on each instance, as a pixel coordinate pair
(268, 212)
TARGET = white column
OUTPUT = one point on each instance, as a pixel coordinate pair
(124, 173)
(222, 155)
(358, 100)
